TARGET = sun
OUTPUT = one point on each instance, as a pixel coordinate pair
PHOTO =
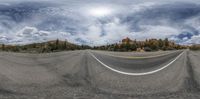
(100, 11)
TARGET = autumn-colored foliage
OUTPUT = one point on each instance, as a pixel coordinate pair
(148, 45)
(50, 46)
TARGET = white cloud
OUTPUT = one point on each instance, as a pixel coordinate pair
(194, 40)
(72, 22)
(33, 35)
(194, 21)
(94, 32)
(110, 32)
(115, 30)
(32, 31)
(27, 32)
(43, 33)
(142, 6)
(4, 39)
(30, 35)
(155, 32)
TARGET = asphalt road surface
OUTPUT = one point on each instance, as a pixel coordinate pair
(91, 74)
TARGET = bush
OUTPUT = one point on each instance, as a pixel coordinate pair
(147, 49)
(195, 47)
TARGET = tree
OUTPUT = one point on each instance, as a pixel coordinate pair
(3, 47)
(195, 47)
(57, 44)
(155, 45)
(116, 47)
(133, 47)
(166, 42)
(160, 43)
(33, 45)
(65, 45)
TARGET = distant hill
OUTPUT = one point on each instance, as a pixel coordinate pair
(49, 46)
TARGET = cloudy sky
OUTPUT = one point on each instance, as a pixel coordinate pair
(98, 22)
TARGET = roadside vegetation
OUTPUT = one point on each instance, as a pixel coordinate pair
(45, 47)
(124, 45)
(195, 47)
(147, 45)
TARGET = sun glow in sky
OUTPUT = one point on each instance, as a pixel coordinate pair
(100, 11)
(98, 22)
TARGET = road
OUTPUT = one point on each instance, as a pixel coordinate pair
(136, 64)
(88, 74)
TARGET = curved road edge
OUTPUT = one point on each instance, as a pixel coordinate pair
(136, 74)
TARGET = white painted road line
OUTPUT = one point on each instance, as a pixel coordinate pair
(136, 74)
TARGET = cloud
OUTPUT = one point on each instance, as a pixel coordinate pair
(149, 32)
(4, 39)
(27, 32)
(30, 35)
(104, 32)
(26, 22)
(178, 21)
(194, 40)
